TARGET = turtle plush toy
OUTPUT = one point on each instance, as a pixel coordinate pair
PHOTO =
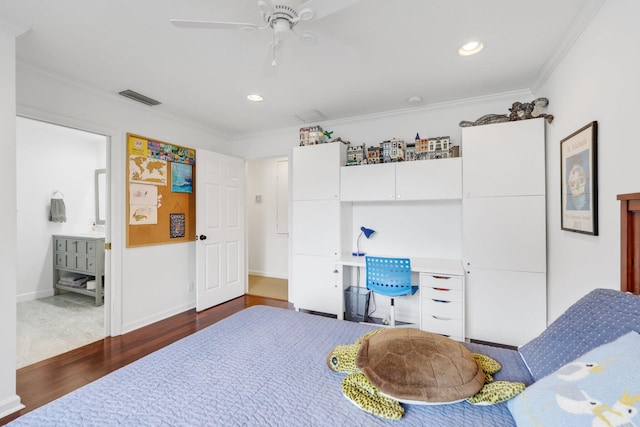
(387, 367)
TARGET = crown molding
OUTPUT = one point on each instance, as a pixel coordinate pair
(13, 28)
(508, 97)
(564, 45)
(113, 97)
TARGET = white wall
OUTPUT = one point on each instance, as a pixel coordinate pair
(416, 229)
(9, 401)
(268, 250)
(153, 281)
(597, 80)
(51, 158)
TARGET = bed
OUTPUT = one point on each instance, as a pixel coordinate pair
(266, 366)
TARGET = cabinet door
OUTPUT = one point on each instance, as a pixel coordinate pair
(316, 171)
(429, 179)
(505, 307)
(61, 260)
(316, 227)
(505, 233)
(314, 284)
(368, 183)
(61, 244)
(504, 159)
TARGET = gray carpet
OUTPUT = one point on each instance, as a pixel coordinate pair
(50, 326)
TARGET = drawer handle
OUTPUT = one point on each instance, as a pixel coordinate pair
(441, 318)
(441, 277)
(440, 300)
(441, 289)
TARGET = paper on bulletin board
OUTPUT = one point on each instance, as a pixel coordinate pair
(138, 147)
(146, 170)
(142, 215)
(143, 194)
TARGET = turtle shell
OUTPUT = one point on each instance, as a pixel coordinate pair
(416, 366)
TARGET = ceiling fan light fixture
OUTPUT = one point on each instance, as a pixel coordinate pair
(254, 97)
(281, 28)
(470, 48)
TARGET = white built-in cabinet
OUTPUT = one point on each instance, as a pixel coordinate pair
(504, 231)
(404, 181)
(320, 226)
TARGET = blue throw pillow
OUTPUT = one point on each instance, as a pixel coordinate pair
(599, 388)
(597, 318)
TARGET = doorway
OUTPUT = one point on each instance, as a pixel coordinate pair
(268, 227)
(55, 162)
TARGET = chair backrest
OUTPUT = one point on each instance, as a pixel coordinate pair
(389, 276)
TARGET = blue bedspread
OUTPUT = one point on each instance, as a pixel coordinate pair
(263, 366)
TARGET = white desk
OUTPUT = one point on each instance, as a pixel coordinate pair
(441, 299)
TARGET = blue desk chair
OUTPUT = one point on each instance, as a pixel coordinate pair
(390, 277)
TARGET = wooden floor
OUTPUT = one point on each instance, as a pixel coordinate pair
(45, 381)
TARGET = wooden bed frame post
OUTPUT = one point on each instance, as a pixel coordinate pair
(630, 242)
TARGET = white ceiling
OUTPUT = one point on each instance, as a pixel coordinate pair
(370, 57)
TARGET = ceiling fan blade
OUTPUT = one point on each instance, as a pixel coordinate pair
(266, 7)
(181, 23)
(322, 8)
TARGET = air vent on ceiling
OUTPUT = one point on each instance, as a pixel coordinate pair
(139, 97)
(310, 116)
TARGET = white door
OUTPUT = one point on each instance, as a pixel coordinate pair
(220, 249)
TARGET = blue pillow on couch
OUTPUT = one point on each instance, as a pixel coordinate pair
(600, 388)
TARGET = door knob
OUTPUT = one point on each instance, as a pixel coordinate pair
(203, 237)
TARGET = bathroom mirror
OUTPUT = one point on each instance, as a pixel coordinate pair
(101, 195)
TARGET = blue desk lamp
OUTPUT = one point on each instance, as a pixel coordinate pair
(367, 233)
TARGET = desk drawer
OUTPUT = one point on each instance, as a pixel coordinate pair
(443, 309)
(439, 294)
(441, 282)
(443, 326)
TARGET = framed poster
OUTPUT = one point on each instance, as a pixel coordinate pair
(579, 176)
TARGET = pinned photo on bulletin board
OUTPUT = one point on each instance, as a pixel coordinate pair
(181, 178)
(177, 225)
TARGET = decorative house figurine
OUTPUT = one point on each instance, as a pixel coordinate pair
(373, 155)
(441, 148)
(392, 150)
(435, 148)
(316, 135)
(356, 155)
(304, 136)
(312, 135)
(410, 152)
(422, 148)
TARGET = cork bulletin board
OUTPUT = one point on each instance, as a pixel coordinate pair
(161, 203)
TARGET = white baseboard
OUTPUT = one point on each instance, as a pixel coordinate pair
(30, 296)
(157, 317)
(268, 274)
(10, 405)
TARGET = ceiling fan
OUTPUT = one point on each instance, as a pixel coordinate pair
(279, 16)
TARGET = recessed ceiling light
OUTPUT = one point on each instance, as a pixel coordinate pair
(470, 48)
(254, 97)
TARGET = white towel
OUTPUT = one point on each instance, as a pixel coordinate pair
(58, 211)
